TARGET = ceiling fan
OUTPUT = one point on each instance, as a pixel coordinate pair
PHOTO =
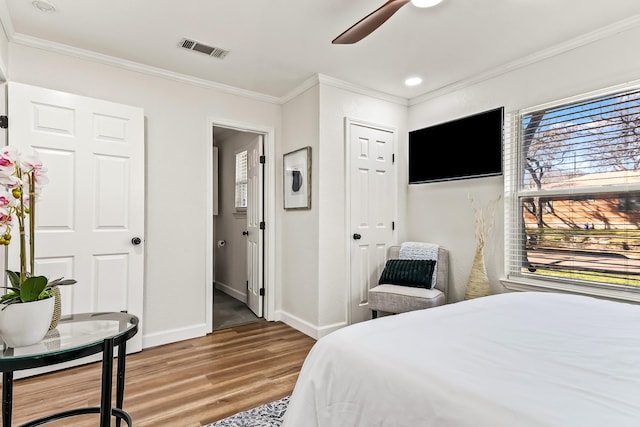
(369, 23)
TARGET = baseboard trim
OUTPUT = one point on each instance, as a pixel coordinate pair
(174, 335)
(200, 330)
(325, 330)
(307, 328)
(231, 291)
(297, 323)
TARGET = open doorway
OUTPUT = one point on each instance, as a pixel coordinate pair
(238, 243)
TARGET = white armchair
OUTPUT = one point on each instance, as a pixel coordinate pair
(395, 298)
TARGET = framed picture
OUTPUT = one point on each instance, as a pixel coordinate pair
(297, 179)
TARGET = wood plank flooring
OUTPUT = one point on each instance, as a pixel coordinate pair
(185, 384)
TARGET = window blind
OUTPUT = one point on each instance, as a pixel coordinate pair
(572, 191)
(241, 180)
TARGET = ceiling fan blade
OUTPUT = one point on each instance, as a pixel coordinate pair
(369, 23)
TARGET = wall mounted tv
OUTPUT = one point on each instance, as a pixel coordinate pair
(469, 147)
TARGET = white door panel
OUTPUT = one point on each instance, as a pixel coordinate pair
(93, 205)
(254, 217)
(372, 200)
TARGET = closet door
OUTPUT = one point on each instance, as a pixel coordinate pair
(372, 195)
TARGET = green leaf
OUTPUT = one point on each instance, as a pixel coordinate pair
(60, 282)
(11, 297)
(14, 278)
(13, 293)
(31, 288)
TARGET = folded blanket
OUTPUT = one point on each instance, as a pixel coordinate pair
(421, 250)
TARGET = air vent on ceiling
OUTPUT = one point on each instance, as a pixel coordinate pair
(216, 52)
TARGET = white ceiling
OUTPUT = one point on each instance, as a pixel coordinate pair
(276, 45)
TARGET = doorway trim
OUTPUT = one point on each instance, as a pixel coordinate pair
(269, 198)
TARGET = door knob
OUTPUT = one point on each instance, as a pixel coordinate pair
(356, 236)
(136, 240)
(245, 233)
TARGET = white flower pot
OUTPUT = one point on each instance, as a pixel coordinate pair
(27, 323)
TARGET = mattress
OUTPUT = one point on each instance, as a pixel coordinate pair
(520, 359)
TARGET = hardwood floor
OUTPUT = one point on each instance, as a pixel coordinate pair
(185, 384)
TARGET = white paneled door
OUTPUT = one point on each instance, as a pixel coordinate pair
(372, 210)
(90, 217)
(255, 234)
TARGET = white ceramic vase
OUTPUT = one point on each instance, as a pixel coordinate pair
(26, 323)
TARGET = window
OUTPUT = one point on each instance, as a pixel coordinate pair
(572, 196)
(241, 181)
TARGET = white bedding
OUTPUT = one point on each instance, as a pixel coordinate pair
(517, 359)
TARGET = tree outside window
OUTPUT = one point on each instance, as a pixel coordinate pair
(575, 186)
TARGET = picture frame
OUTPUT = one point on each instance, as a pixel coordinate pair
(297, 179)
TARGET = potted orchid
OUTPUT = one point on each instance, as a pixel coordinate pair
(21, 181)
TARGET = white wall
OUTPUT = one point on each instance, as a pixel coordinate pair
(298, 229)
(177, 146)
(4, 54)
(441, 212)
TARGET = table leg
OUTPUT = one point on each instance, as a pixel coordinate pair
(7, 398)
(107, 383)
(122, 357)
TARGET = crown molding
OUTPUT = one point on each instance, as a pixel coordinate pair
(47, 45)
(340, 84)
(137, 67)
(6, 21)
(305, 85)
(577, 42)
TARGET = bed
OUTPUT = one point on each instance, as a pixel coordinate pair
(520, 359)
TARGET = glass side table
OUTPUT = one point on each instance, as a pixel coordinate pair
(76, 336)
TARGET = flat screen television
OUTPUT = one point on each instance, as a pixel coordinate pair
(468, 147)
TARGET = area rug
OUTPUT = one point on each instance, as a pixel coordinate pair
(267, 415)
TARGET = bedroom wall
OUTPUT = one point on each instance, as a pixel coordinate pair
(177, 119)
(441, 212)
(298, 252)
(4, 55)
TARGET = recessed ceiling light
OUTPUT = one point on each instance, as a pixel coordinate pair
(413, 81)
(43, 5)
(425, 3)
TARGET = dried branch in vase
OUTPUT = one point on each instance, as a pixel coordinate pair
(484, 217)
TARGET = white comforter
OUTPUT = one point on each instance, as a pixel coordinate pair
(523, 359)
